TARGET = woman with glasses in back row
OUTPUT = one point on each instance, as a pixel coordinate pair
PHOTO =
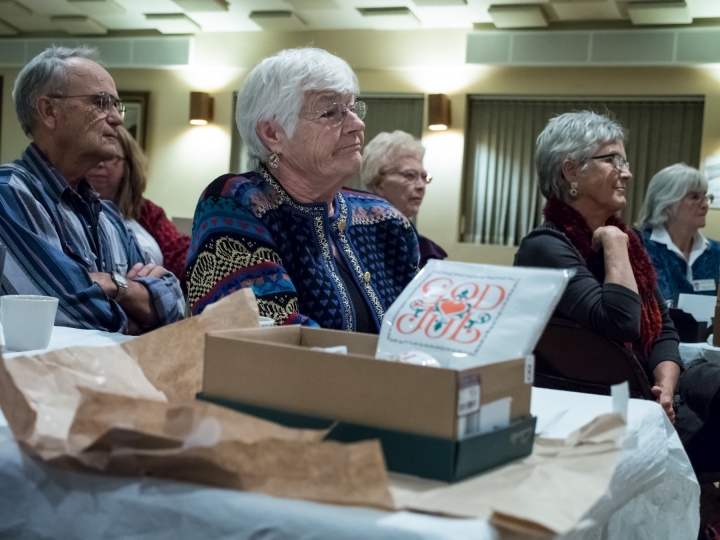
(312, 252)
(675, 207)
(392, 168)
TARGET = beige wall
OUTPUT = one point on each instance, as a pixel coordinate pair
(185, 159)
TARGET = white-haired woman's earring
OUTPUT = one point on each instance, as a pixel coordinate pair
(273, 161)
(573, 190)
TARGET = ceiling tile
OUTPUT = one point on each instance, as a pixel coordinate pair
(98, 7)
(517, 16)
(172, 23)
(587, 11)
(202, 5)
(10, 8)
(659, 13)
(7, 30)
(278, 20)
(78, 25)
(301, 5)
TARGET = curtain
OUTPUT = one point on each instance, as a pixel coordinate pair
(501, 202)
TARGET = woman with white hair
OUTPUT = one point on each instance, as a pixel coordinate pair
(583, 173)
(392, 168)
(675, 207)
(312, 252)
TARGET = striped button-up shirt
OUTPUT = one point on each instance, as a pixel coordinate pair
(56, 236)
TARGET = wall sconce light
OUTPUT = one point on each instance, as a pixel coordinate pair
(202, 108)
(438, 112)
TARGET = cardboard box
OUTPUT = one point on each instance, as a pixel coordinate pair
(413, 409)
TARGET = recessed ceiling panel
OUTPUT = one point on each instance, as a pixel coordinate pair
(10, 8)
(98, 7)
(423, 3)
(278, 21)
(587, 11)
(202, 5)
(659, 13)
(517, 16)
(7, 30)
(172, 23)
(313, 4)
(390, 18)
(78, 25)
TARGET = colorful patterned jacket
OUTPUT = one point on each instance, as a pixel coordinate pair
(248, 232)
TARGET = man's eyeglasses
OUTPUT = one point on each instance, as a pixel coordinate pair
(337, 112)
(617, 161)
(103, 100)
(412, 175)
(697, 197)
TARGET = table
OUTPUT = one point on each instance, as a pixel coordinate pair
(652, 495)
(63, 336)
(694, 351)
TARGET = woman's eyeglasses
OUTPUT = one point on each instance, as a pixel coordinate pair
(104, 101)
(412, 175)
(337, 112)
(616, 160)
(697, 197)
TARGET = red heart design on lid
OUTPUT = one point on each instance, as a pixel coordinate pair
(450, 307)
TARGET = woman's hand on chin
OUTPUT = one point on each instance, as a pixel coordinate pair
(604, 237)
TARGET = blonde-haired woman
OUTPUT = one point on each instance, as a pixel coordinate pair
(123, 180)
(392, 168)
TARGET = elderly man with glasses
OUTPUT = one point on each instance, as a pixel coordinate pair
(62, 241)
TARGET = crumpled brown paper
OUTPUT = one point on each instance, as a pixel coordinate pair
(130, 410)
(545, 494)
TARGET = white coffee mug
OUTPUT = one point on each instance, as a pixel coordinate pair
(27, 321)
(266, 322)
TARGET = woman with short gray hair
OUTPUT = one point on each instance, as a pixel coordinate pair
(392, 168)
(312, 252)
(583, 172)
(675, 207)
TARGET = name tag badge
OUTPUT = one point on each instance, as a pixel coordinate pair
(701, 285)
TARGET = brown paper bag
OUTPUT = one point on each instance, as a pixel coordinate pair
(130, 410)
(546, 493)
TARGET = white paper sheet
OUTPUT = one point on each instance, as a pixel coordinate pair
(700, 306)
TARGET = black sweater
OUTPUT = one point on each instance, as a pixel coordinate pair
(607, 308)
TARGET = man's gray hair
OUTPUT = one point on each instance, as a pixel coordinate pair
(384, 151)
(575, 136)
(47, 73)
(275, 90)
(665, 191)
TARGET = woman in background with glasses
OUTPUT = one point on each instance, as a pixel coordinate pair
(392, 168)
(312, 252)
(122, 180)
(675, 207)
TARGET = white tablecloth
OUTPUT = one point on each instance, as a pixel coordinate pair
(693, 351)
(652, 496)
(63, 336)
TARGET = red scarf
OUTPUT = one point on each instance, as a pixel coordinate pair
(573, 224)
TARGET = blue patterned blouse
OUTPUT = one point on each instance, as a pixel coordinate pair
(249, 232)
(672, 269)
